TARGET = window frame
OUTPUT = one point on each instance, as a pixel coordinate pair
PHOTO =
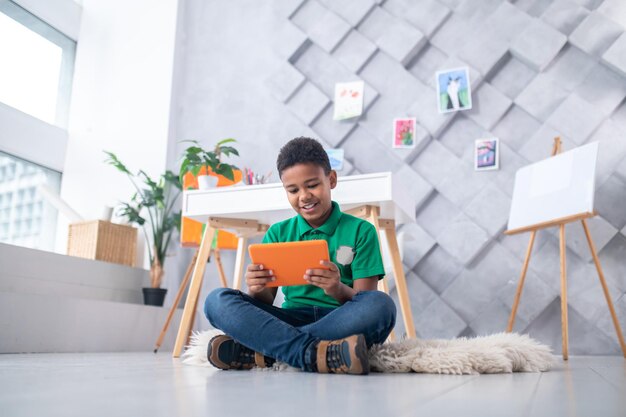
(26, 136)
(53, 35)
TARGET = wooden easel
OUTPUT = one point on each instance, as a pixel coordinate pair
(248, 228)
(181, 290)
(561, 224)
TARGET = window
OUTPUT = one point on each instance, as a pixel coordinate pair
(26, 219)
(37, 65)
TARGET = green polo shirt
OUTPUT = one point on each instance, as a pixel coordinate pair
(352, 244)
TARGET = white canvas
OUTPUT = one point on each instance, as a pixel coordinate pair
(557, 187)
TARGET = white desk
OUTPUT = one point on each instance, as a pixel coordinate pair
(248, 209)
(267, 203)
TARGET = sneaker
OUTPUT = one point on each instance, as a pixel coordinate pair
(225, 353)
(343, 356)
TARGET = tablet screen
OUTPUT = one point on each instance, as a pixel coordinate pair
(289, 260)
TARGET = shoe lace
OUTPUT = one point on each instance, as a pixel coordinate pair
(334, 356)
(242, 355)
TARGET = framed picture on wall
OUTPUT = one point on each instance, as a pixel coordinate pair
(335, 156)
(348, 100)
(454, 92)
(486, 154)
(404, 132)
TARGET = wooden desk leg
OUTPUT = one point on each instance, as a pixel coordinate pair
(194, 290)
(372, 217)
(398, 272)
(384, 287)
(220, 269)
(179, 295)
(607, 295)
(564, 332)
(242, 244)
(193, 322)
(520, 285)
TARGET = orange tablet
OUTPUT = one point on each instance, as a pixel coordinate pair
(289, 260)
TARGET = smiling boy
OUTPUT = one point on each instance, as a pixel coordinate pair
(328, 324)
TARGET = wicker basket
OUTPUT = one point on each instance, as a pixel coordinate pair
(104, 241)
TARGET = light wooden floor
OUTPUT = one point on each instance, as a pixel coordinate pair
(144, 384)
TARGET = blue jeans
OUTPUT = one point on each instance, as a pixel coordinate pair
(291, 335)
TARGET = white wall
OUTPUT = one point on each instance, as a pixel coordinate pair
(120, 101)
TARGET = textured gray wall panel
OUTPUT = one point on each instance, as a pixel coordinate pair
(595, 34)
(352, 11)
(564, 16)
(541, 97)
(426, 15)
(615, 56)
(354, 51)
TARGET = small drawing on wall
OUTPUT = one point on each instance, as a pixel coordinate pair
(486, 154)
(453, 90)
(348, 100)
(336, 158)
(404, 132)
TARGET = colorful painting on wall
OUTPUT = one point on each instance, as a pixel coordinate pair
(336, 158)
(348, 100)
(453, 90)
(404, 132)
(486, 154)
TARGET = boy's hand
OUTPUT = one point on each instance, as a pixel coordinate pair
(327, 279)
(257, 278)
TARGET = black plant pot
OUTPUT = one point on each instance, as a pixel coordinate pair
(154, 296)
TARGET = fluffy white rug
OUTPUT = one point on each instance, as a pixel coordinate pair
(497, 353)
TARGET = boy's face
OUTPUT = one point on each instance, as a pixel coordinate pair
(308, 190)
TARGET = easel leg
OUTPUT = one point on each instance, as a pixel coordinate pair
(239, 260)
(398, 272)
(520, 285)
(220, 269)
(194, 290)
(607, 295)
(179, 295)
(564, 332)
(382, 284)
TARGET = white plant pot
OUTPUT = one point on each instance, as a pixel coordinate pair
(206, 182)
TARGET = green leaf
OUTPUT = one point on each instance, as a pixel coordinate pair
(223, 141)
(183, 171)
(193, 150)
(171, 178)
(148, 181)
(228, 150)
(113, 160)
(188, 140)
(211, 160)
(225, 170)
(131, 213)
(178, 218)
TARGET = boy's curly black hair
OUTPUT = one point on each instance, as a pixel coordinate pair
(302, 150)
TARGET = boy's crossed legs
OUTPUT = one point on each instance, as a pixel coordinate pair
(298, 336)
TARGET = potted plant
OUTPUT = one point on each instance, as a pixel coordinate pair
(207, 166)
(151, 207)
